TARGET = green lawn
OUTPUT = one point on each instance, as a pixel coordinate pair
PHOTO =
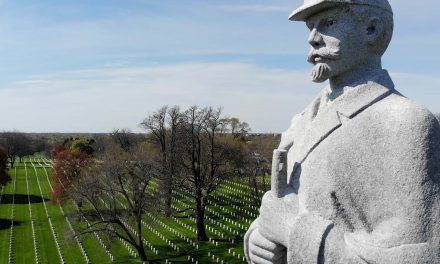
(31, 179)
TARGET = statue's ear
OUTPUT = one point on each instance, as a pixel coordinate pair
(374, 30)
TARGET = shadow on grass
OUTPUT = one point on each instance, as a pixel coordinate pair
(6, 223)
(21, 199)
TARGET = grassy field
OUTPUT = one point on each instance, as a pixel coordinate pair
(32, 230)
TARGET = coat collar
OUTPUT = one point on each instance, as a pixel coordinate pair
(324, 115)
(356, 99)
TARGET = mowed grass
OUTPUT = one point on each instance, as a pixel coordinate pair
(161, 233)
(22, 222)
(46, 242)
(5, 221)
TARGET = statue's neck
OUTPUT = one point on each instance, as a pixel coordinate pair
(356, 76)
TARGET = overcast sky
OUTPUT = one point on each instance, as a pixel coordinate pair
(92, 66)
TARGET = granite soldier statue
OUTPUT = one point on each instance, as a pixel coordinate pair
(356, 178)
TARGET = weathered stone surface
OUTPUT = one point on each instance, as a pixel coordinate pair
(362, 179)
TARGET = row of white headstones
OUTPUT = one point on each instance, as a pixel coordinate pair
(48, 163)
(79, 243)
(213, 229)
(185, 238)
(226, 214)
(11, 228)
(11, 234)
(126, 245)
(34, 236)
(11, 231)
(190, 228)
(69, 224)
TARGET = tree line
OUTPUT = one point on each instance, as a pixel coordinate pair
(16, 145)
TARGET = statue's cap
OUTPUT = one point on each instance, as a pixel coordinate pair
(311, 7)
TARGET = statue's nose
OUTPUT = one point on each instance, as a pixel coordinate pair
(315, 39)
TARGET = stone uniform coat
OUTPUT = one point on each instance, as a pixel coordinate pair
(364, 169)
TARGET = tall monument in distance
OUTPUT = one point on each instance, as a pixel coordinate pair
(356, 177)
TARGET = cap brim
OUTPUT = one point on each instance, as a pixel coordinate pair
(307, 10)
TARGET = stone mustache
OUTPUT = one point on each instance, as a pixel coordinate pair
(356, 178)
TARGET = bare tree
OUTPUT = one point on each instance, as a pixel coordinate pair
(113, 195)
(173, 159)
(207, 158)
(16, 144)
(25, 148)
(41, 144)
(164, 127)
(196, 153)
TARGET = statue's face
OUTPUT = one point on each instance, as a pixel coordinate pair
(338, 43)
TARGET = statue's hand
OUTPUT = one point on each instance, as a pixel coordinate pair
(264, 251)
(277, 216)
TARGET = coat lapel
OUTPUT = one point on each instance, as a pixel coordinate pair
(322, 117)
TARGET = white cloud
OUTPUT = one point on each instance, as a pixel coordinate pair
(116, 95)
(98, 100)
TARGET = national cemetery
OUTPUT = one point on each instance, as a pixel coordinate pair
(60, 204)
(33, 230)
(354, 179)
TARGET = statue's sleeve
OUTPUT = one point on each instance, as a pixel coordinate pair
(405, 225)
(306, 237)
(316, 240)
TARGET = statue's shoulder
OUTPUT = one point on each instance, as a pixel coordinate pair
(401, 112)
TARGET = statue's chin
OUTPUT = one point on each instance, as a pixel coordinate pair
(321, 73)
